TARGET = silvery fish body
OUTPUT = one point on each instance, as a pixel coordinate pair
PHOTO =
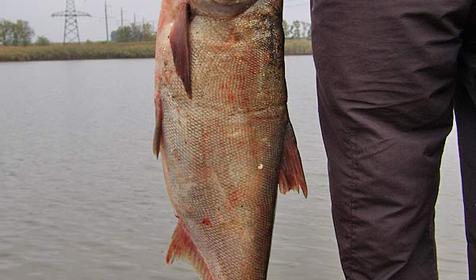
(223, 131)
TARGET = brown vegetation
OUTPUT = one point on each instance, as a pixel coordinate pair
(109, 50)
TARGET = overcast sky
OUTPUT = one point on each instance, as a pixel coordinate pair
(38, 14)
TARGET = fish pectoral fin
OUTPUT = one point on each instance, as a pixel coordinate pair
(158, 125)
(180, 44)
(182, 246)
(291, 174)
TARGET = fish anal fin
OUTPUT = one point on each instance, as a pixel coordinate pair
(179, 41)
(291, 174)
(183, 247)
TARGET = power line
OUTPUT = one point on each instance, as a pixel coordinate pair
(71, 28)
(107, 22)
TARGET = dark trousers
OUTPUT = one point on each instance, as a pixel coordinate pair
(389, 74)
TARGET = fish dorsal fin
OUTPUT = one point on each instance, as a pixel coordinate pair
(180, 43)
(182, 246)
(291, 174)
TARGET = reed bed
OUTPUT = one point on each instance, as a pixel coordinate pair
(110, 51)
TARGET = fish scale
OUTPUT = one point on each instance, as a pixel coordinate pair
(223, 141)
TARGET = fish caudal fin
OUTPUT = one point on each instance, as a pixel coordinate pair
(182, 246)
(291, 174)
(179, 41)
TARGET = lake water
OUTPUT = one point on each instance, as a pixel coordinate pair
(82, 197)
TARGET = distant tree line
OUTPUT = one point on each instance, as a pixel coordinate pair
(297, 30)
(134, 33)
(15, 33)
(19, 33)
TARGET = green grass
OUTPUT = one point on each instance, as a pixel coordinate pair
(109, 50)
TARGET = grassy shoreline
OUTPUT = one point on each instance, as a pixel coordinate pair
(110, 51)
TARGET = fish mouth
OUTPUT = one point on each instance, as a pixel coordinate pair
(221, 8)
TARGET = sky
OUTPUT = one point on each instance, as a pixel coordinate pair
(38, 14)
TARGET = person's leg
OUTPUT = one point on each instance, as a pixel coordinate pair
(465, 109)
(386, 72)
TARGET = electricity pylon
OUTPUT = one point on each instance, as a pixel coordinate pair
(71, 29)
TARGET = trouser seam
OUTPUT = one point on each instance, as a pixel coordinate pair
(353, 185)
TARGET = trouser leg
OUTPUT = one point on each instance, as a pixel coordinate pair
(386, 74)
(465, 110)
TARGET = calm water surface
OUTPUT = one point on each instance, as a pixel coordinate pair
(82, 197)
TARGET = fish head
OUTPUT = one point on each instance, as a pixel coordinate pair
(220, 8)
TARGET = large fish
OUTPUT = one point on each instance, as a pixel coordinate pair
(223, 131)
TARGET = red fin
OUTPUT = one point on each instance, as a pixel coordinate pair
(182, 246)
(158, 124)
(179, 41)
(291, 174)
